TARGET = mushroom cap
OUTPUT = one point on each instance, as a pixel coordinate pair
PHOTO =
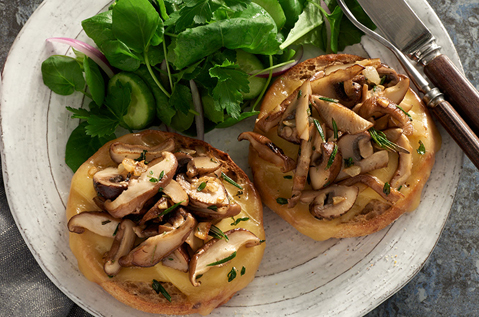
(97, 222)
(333, 201)
(220, 249)
(119, 151)
(109, 183)
(268, 151)
(141, 189)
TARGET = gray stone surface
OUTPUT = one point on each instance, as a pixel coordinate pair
(448, 285)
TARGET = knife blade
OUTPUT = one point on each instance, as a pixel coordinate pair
(402, 27)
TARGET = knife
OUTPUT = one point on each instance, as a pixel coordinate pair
(454, 124)
(416, 41)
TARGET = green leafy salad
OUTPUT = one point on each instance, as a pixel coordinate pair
(189, 65)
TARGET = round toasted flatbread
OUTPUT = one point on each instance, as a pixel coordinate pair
(134, 285)
(355, 198)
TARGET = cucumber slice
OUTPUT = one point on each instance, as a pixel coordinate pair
(141, 110)
(251, 64)
(275, 10)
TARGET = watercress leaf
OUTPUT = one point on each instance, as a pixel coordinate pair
(156, 55)
(94, 80)
(308, 21)
(158, 36)
(211, 111)
(334, 20)
(237, 5)
(62, 74)
(348, 33)
(164, 111)
(230, 121)
(81, 146)
(120, 56)
(292, 9)
(135, 22)
(98, 28)
(181, 98)
(231, 82)
(99, 126)
(118, 99)
(182, 122)
(253, 30)
(194, 12)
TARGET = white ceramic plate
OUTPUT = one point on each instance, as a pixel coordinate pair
(298, 277)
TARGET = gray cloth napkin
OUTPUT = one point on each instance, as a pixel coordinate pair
(24, 289)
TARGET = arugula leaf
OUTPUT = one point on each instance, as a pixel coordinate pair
(231, 82)
(81, 146)
(98, 28)
(135, 22)
(94, 80)
(63, 75)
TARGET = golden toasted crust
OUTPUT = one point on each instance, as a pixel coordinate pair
(133, 286)
(362, 219)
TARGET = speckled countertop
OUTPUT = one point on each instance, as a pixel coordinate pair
(448, 285)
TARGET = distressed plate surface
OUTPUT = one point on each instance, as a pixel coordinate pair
(298, 276)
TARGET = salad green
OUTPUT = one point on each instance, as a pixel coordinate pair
(193, 65)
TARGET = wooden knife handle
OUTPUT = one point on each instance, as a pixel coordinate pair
(456, 88)
(458, 129)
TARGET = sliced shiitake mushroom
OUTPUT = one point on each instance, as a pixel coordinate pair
(201, 165)
(205, 191)
(97, 222)
(108, 183)
(159, 173)
(326, 168)
(268, 151)
(120, 151)
(373, 162)
(218, 252)
(331, 202)
(301, 172)
(178, 259)
(176, 193)
(154, 249)
(387, 192)
(345, 118)
(122, 245)
(404, 168)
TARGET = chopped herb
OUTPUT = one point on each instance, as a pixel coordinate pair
(349, 162)
(142, 156)
(229, 258)
(320, 129)
(105, 222)
(261, 241)
(243, 271)
(382, 141)
(213, 160)
(170, 259)
(213, 207)
(387, 188)
(328, 99)
(288, 177)
(160, 189)
(374, 88)
(281, 201)
(422, 149)
(202, 186)
(237, 221)
(407, 114)
(399, 188)
(116, 230)
(216, 232)
(335, 129)
(332, 157)
(199, 276)
(161, 175)
(167, 210)
(299, 93)
(158, 288)
(383, 80)
(156, 180)
(229, 180)
(232, 274)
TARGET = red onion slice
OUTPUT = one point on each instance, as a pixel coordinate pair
(89, 51)
(199, 118)
(281, 70)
